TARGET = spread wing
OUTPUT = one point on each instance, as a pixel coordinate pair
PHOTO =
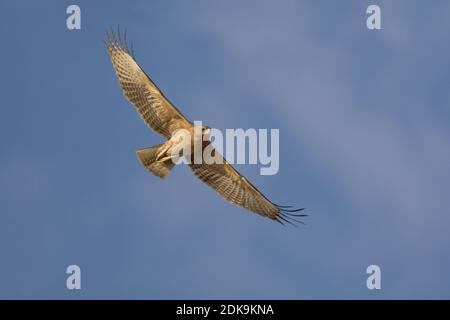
(234, 187)
(153, 107)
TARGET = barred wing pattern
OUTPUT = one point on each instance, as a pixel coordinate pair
(235, 188)
(151, 104)
(162, 116)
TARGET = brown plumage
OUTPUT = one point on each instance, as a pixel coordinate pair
(162, 116)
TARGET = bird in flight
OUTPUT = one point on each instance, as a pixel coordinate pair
(163, 117)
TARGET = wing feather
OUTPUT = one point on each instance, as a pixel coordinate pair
(153, 107)
(235, 188)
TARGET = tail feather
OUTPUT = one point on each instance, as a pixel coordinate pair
(147, 157)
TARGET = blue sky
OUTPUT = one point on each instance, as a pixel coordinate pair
(364, 126)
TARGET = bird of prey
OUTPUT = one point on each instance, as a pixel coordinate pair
(162, 116)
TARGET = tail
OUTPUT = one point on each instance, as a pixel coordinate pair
(147, 157)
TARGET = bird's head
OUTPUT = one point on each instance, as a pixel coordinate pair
(206, 131)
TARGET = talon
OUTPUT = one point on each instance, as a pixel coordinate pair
(160, 155)
(165, 158)
(163, 151)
